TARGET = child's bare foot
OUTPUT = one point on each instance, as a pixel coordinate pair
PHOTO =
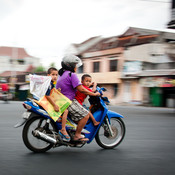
(96, 123)
(59, 119)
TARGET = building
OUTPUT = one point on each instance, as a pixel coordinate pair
(149, 66)
(16, 59)
(103, 61)
(77, 49)
(15, 65)
(121, 63)
(171, 24)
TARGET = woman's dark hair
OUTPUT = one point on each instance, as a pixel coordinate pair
(49, 71)
(70, 67)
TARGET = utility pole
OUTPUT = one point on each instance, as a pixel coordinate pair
(171, 24)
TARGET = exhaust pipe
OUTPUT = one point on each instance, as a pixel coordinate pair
(44, 137)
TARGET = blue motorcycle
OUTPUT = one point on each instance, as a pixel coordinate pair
(40, 132)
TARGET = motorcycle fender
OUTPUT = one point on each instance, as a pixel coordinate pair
(111, 114)
(22, 122)
(25, 117)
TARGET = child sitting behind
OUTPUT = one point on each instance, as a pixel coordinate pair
(80, 97)
(53, 72)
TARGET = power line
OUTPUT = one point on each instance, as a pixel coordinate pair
(156, 1)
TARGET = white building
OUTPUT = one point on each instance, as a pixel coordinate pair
(16, 59)
(77, 49)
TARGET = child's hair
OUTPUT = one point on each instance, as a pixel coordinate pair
(49, 71)
(84, 76)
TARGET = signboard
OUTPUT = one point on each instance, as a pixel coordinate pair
(62, 101)
(132, 67)
(157, 82)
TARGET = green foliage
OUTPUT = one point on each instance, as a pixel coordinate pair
(39, 69)
(52, 65)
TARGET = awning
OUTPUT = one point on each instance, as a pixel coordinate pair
(160, 72)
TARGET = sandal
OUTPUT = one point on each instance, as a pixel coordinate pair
(82, 139)
(65, 137)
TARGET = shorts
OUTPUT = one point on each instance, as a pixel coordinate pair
(77, 111)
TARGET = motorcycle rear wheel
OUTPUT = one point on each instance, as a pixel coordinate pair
(103, 137)
(31, 142)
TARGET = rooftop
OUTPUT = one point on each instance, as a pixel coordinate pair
(14, 52)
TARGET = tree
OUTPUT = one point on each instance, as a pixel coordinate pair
(52, 65)
(39, 69)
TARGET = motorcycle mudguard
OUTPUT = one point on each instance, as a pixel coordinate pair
(111, 114)
(22, 122)
(99, 116)
(24, 119)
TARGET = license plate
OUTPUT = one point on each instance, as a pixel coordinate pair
(26, 115)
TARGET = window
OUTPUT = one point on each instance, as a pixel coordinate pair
(113, 65)
(96, 67)
(11, 61)
(115, 89)
(21, 62)
(80, 69)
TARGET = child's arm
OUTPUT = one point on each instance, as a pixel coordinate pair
(87, 92)
(94, 86)
(56, 108)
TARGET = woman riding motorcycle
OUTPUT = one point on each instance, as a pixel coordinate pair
(69, 83)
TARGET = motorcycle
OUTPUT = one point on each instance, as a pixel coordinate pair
(40, 133)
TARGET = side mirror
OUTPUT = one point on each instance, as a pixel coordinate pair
(103, 89)
(105, 99)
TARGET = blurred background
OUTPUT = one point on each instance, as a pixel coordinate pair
(127, 47)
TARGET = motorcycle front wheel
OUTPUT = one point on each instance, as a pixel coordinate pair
(103, 137)
(33, 143)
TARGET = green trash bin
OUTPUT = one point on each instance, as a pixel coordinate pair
(156, 96)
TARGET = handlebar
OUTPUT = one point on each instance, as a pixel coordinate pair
(100, 90)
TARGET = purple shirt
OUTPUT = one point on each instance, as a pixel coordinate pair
(68, 84)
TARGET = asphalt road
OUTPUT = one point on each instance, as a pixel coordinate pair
(148, 147)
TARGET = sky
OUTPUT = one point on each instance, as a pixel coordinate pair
(45, 28)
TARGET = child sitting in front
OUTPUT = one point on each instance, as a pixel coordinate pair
(80, 97)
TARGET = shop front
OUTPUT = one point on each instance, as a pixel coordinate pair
(161, 91)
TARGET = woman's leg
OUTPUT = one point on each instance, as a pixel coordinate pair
(80, 126)
(81, 115)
